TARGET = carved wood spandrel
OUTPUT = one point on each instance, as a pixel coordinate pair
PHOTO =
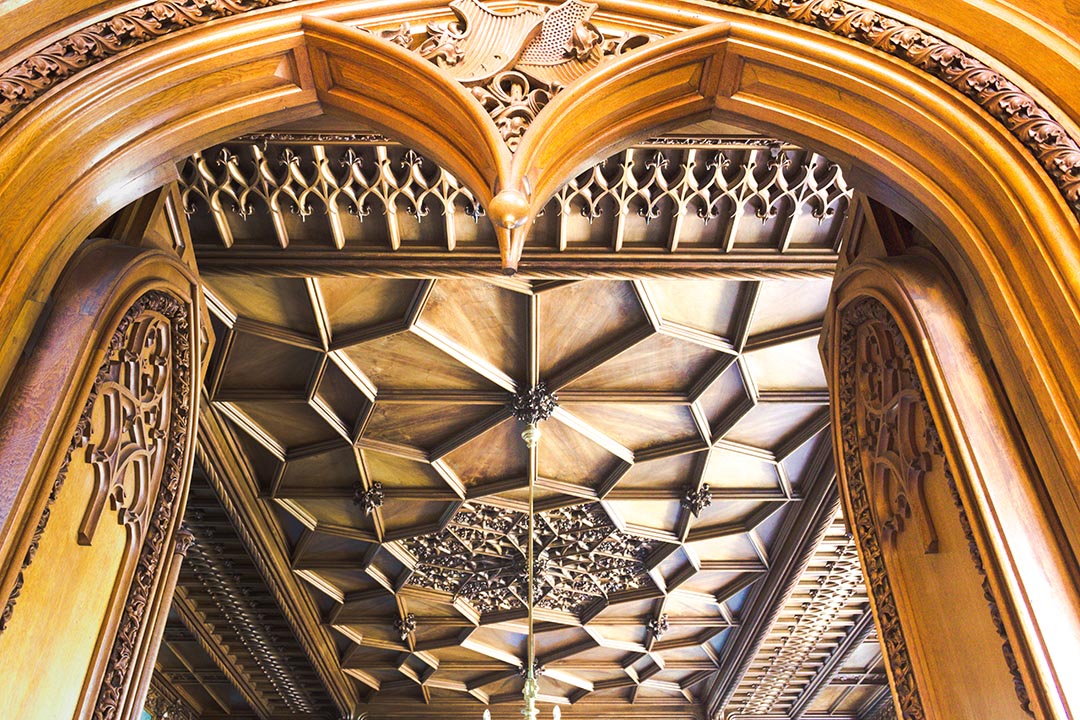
(515, 62)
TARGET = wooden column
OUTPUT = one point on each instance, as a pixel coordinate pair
(968, 571)
(96, 438)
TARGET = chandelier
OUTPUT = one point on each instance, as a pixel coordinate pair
(532, 407)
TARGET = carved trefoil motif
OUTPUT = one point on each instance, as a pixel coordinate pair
(515, 62)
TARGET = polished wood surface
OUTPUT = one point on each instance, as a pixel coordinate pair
(988, 179)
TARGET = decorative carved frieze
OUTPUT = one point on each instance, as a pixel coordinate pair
(31, 78)
(1021, 114)
(885, 425)
(515, 62)
(365, 176)
(581, 558)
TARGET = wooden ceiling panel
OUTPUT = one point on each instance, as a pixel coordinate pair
(789, 303)
(669, 474)
(405, 361)
(793, 365)
(333, 470)
(658, 363)
(708, 305)
(569, 456)
(771, 425)
(338, 394)
(727, 548)
(278, 302)
(424, 425)
(334, 512)
(353, 305)
(737, 469)
(260, 366)
(399, 474)
(291, 424)
(567, 344)
(658, 518)
(492, 458)
(482, 318)
(638, 426)
(725, 398)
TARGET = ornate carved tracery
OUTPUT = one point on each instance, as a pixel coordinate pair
(480, 557)
(133, 426)
(153, 312)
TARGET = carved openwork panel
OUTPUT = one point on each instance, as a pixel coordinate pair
(127, 433)
(580, 557)
(896, 441)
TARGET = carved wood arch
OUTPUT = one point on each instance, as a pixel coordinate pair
(918, 410)
(1017, 235)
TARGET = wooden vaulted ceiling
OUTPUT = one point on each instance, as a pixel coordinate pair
(370, 406)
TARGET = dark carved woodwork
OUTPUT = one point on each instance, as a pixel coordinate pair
(879, 393)
(534, 405)
(405, 625)
(580, 557)
(696, 499)
(657, 626)
(223, 580)
(368, 498)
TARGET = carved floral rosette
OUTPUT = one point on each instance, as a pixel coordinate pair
(889, 443)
